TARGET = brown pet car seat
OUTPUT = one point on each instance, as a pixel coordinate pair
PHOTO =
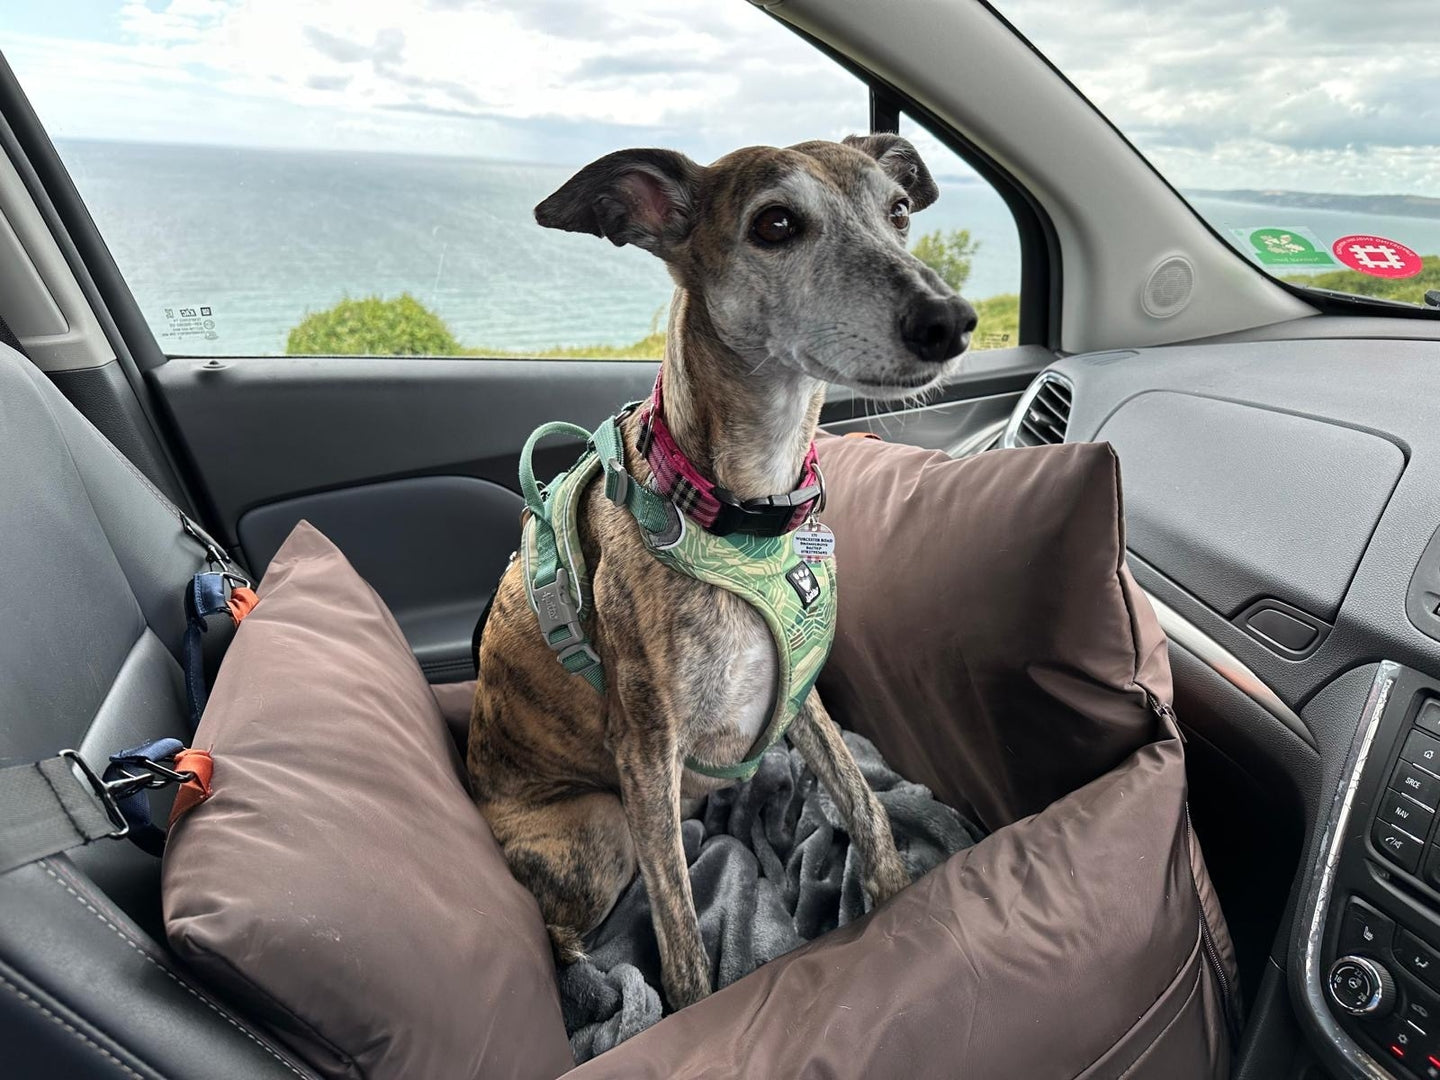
(991, 644)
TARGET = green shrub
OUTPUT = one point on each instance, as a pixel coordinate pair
(1411, 290)
(950, 255)
(373, 327)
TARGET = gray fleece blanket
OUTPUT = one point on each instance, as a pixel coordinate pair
(771, 868)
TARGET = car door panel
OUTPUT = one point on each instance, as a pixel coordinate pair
(410, 464)
(432, 546)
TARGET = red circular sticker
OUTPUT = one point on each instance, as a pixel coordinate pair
(1376, 256)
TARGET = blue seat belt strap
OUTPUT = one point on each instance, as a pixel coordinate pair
(134, 806)
(206, 597)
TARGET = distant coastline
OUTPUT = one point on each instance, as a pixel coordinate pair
(1418, 206)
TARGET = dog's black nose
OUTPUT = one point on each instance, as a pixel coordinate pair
(937, 329)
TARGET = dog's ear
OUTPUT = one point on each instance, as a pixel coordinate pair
(901, 162)
(640, 197)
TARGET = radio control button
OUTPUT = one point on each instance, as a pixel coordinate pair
(1429, 717)
(1422, 749)
(1417, 783)
(1406, 812)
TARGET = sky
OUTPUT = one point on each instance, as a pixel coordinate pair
(1309, 95)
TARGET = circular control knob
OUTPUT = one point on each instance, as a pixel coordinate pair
(1361, 987)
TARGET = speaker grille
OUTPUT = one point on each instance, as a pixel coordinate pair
(1168, 289)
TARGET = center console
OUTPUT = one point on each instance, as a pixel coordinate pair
(1371, 965)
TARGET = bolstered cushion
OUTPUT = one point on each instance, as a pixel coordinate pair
(340, 883)
(994, 647)
(991, 641)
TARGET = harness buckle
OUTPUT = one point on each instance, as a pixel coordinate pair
(581, 649)
(617, 482)
(556, 611)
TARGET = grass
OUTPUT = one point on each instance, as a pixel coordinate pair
(650, 347)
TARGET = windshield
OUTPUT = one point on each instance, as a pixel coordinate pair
(1307, 133)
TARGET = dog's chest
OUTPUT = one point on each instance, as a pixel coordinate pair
(729, 673)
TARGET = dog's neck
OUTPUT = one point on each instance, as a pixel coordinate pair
(745, 425)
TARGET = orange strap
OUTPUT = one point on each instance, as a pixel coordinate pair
(193, 792)
(862, 435)
(242, 601)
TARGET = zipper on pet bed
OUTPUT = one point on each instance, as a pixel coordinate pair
(1212, 953)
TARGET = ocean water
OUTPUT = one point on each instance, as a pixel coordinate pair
(1419, 233)
(261, 237)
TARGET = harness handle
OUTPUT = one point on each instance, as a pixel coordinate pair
(528, 486)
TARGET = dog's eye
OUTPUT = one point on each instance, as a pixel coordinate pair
(900, 214)
(774, 225)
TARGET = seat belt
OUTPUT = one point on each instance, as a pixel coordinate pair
(51, 806)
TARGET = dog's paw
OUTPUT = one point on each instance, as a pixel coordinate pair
(886, 879)
(686, 983)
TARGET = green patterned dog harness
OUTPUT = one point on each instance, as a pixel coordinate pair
(796, 598)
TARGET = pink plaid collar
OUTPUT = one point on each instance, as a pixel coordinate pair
(711, 506)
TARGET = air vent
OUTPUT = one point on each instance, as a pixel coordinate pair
(1043, 414)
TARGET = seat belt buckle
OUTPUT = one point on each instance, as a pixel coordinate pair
(106, 793)
(153, 774)
(214, 554)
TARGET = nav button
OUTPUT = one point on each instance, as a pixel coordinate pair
(1406, 812)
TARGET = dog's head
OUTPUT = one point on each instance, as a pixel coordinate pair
(797, 254)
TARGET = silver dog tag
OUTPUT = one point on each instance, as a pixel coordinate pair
(814, 542)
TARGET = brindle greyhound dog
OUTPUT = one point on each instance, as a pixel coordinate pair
(791, 272)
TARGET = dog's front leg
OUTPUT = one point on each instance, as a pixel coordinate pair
(649, 769)
(817, 737)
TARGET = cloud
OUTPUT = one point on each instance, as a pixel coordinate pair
(639, 65)
(1323, 93)
(339, 49)
(1326, 94)
(705, 78)
(328, 82)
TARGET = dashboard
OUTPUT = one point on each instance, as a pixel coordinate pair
(1282, 507)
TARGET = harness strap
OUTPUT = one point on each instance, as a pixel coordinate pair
(554, 584)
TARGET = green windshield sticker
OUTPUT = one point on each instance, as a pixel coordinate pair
(1285, 247)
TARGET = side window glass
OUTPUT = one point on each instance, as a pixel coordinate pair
(305, 178)
(969, 237)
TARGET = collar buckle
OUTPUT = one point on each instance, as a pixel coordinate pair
(769, 515)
